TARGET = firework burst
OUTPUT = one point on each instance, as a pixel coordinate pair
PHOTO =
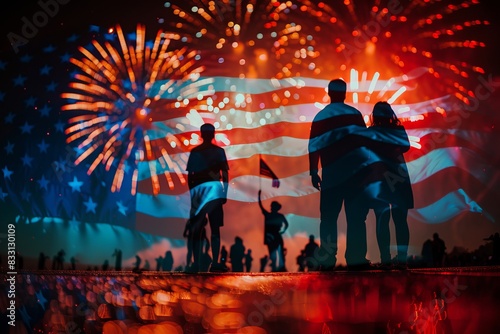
(115, 104)
(400, 37)
(257, 38)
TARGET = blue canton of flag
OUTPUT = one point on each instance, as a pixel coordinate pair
(39, 180)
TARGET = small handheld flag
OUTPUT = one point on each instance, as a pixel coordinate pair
(266, 171)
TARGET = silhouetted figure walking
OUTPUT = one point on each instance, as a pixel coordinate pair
(248, 261)
(207, 169)
(335, 149)
(275, 224)
(118, 259)
(236, 255)
(438, 250)
(311, 253)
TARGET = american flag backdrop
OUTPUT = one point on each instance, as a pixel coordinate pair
(438, 149)
(97, 124)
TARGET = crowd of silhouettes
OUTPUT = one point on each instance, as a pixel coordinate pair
(434, 254)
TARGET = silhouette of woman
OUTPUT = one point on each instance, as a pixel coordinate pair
(395, 195)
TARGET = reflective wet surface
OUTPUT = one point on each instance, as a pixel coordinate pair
(454, 300)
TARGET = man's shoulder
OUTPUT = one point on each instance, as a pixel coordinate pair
(197, 148)
(337, 108)
(213, 147)
(341, 106)
(204, 147)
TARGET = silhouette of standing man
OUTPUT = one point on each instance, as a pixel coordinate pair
(332, 145)
(207, 166)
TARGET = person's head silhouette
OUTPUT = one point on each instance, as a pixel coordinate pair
(207, 132)
(383, 115)
(275, 206)
(337, 89)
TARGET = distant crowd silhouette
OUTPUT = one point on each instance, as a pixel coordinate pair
(433, 254)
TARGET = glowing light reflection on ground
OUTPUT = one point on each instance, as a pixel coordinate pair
(454, 300)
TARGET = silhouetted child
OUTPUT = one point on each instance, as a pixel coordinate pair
(275, 224)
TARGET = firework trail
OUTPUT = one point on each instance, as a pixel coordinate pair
(114, 105)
